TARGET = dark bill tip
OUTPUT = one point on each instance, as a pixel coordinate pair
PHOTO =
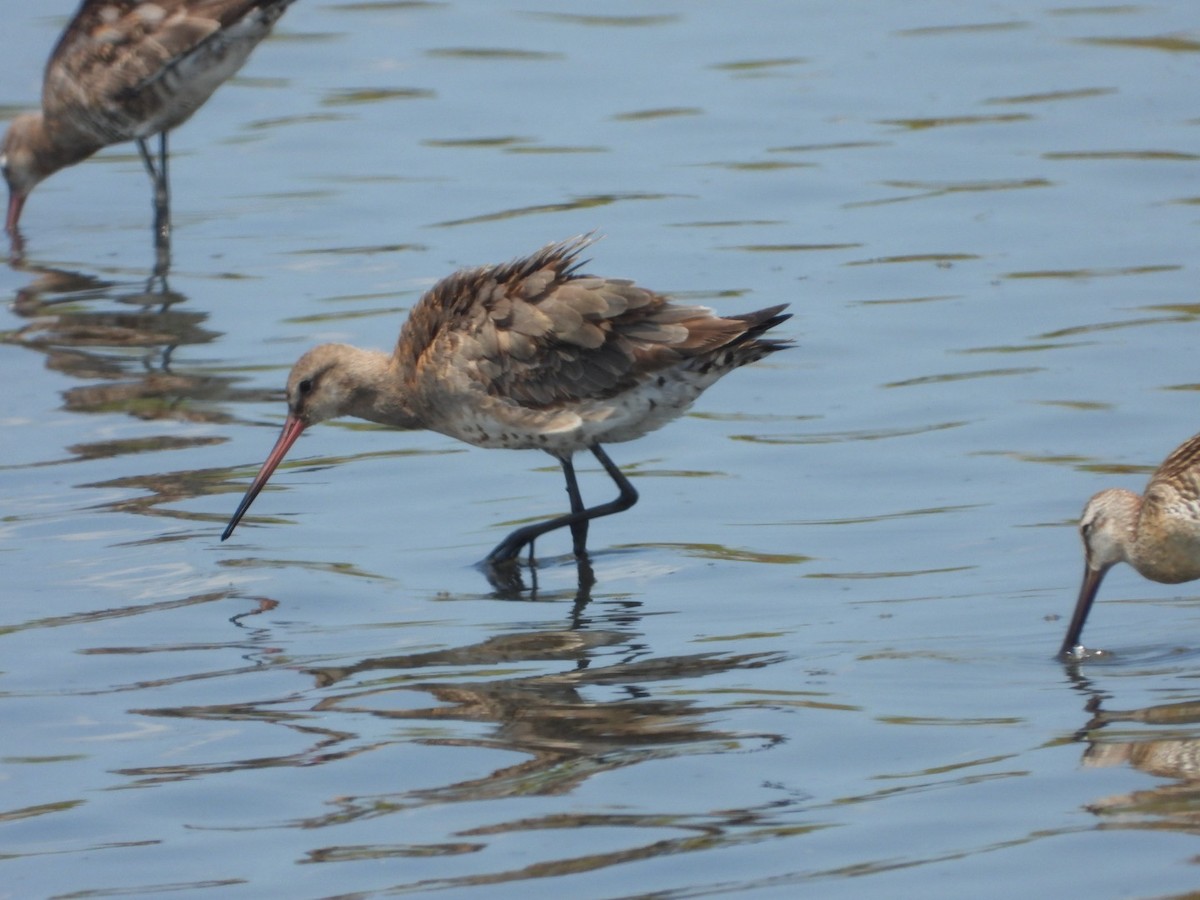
(292, 429)
(1087, 594)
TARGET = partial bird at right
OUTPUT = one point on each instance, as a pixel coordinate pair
(1158, 533)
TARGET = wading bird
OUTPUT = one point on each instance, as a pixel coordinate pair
(126, 70)
(530, 355)
(1157, 533)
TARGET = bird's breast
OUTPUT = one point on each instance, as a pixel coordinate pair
(1172, 556)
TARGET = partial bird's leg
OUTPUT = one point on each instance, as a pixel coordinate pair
(157, 170)
(162, 200)
(579, 528)
(508, 548)
(628, 493)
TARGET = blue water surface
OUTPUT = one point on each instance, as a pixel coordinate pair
(818, 654)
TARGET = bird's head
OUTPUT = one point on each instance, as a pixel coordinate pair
(1107, 527)
(323, 384)
(24, 161)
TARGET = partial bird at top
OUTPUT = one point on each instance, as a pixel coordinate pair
(126, 70)
(1157, 533)
(530, 355)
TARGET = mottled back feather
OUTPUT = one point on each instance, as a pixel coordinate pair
(537, 332)
(1177, 480)
(105, 69)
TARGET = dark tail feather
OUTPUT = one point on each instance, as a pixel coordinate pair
(749, 346)
(758, 323)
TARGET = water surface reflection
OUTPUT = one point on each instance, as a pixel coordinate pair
(822, 658)
(1161, 740)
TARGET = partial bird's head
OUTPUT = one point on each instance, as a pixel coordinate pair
(1107, 527)
(328, 381)
(24, 162)
(323, 384)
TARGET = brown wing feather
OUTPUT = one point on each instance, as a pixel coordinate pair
(1178, 478)
(115, 49)
(537, 332)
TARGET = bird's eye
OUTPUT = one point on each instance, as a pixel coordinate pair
(305, 387)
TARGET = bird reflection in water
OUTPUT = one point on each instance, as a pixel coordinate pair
(1163, 741)
(115, 340)
(86, 326)
(553, 717)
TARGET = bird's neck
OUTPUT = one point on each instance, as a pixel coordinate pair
(53, 145)
(1126, 513)
(380, 394)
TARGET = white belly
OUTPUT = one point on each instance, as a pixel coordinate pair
(577, 426)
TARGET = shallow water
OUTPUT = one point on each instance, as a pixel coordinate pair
(818, 653)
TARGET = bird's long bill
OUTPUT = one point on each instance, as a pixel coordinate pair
(291, 430)
(16, 202)
(1087, 593)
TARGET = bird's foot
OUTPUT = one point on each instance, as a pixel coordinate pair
(504, 575)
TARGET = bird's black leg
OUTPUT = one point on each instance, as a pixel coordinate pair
(579, 527)
(508, 548)
(147, 160)
(162, 200)
(625, 499)
(162, 191)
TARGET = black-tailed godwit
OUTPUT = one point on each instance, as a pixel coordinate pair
(530, 355)
(126, 70)
(1157, 533)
